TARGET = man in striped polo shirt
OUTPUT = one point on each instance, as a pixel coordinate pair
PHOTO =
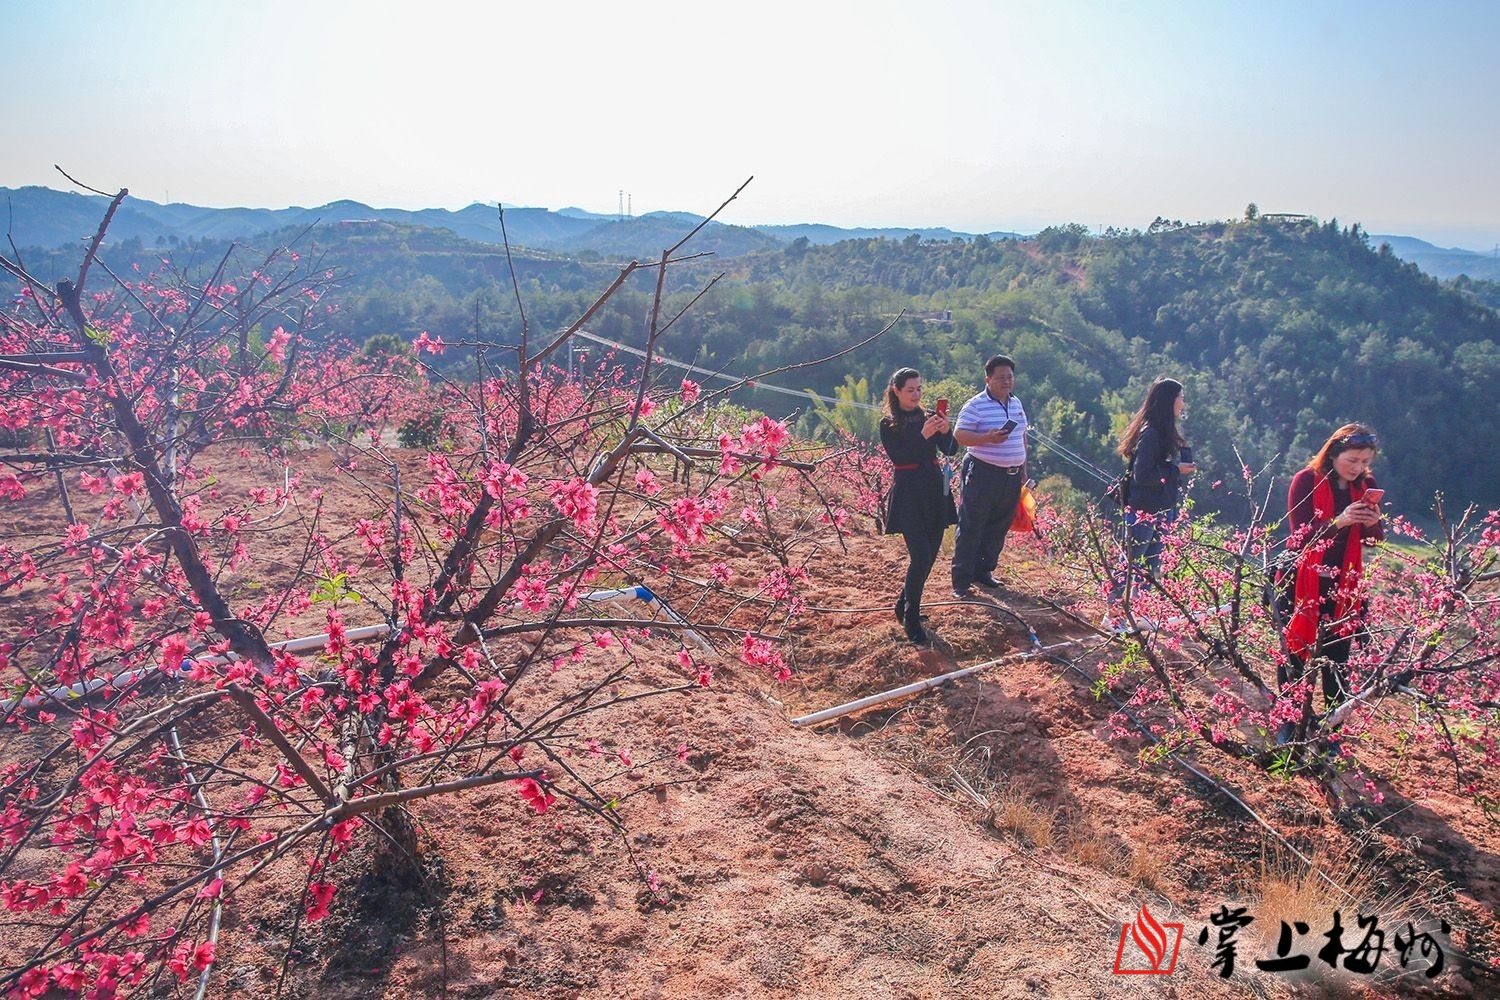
(992, 426)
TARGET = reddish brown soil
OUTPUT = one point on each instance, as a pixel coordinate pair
(848, 859)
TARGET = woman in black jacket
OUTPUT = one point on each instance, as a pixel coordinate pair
(1158, 458)
(920, 506)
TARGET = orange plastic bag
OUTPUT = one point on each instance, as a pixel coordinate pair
(1025, 519)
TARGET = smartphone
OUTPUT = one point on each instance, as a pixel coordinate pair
(1373, 497)
(1010, 425)
(942, 406)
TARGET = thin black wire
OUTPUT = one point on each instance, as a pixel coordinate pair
(1052, 444)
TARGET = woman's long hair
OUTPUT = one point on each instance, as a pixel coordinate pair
(1347, 438)
(893, 411)
(1159, 411)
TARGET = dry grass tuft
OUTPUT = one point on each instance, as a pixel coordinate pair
(1006, 805)
(1145, 868)
(1093, 849)
(1290, 890)
(1018, 813)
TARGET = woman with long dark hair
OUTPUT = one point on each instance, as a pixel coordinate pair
(1158, 458)
(1333, 514)
(919, 507)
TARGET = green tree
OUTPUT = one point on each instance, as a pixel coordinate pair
(856, 413)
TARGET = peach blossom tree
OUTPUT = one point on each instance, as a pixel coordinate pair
(212, 671)
(1194, 661)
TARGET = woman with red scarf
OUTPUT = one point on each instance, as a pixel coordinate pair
(1331, 522)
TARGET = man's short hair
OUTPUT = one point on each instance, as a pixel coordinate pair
(996, 362)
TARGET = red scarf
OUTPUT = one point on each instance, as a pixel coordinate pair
(1302, 630)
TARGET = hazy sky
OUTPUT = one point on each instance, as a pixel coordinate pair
(979, 116)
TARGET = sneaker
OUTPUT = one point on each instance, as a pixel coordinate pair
(964, 593)
(917, 634)
(988, 580)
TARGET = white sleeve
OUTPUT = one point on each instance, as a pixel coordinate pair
(968, 417)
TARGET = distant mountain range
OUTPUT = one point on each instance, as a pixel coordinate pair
(1441, 262)
(43, 217)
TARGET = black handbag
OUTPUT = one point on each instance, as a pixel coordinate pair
(1118, 492)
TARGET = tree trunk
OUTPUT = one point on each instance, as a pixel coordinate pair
(395, 859)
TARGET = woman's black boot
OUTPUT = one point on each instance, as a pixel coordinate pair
(914, 630)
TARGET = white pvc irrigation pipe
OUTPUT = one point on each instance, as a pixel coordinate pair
(916, 687)
(306, 644)
(83, 688)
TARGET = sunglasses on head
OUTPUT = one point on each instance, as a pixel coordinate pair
(1359, 441)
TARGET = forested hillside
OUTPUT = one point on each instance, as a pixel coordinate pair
(1281, 330)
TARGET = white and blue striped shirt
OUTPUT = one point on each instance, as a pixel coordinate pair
(982, 413)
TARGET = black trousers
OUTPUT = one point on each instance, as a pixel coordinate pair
(922, 547)
(1333, 657)
(1331, 648)
(987, 504)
